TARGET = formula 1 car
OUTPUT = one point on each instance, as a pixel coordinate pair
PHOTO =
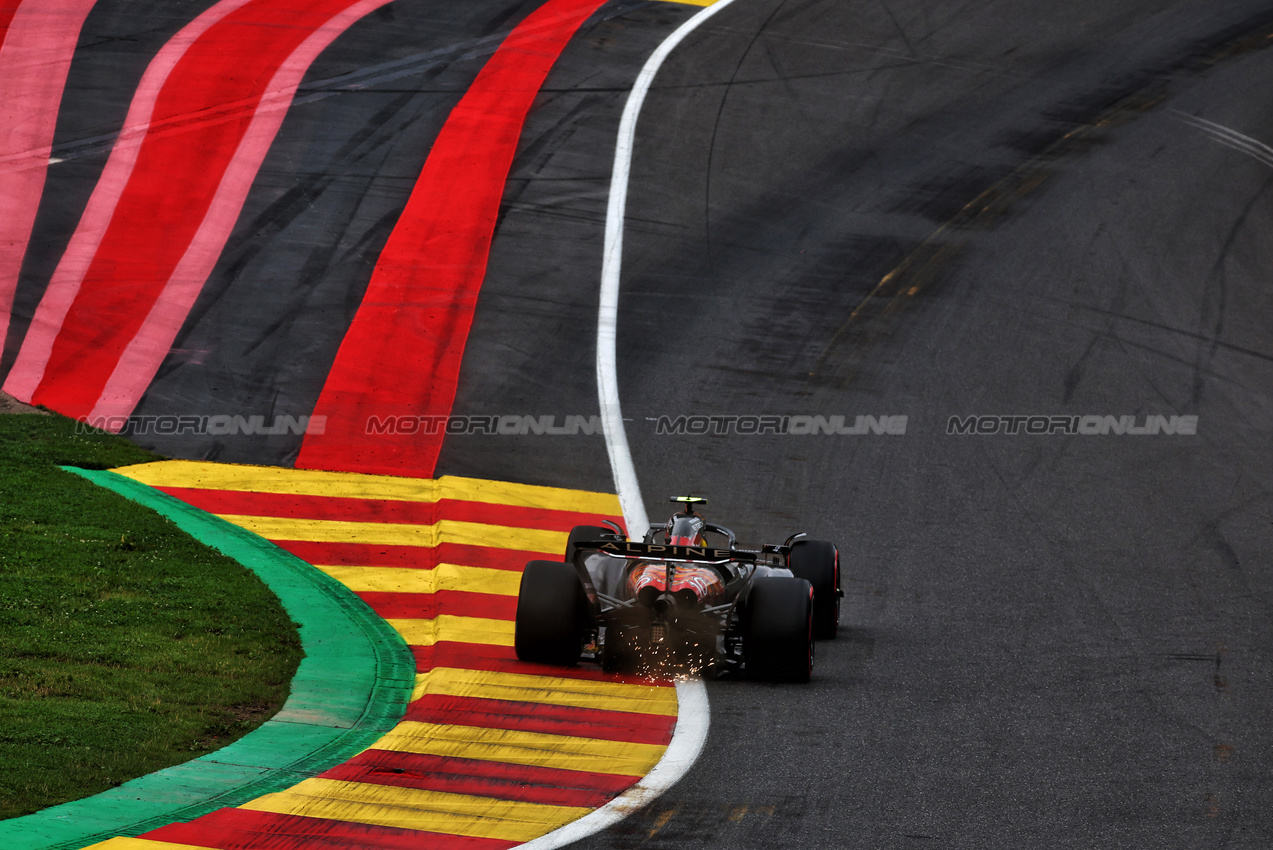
(685, 597)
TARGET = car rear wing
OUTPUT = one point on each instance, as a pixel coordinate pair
(634, 551)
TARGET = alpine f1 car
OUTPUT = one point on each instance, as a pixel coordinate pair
(685, 597)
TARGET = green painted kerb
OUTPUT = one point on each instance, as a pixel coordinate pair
(352, 686)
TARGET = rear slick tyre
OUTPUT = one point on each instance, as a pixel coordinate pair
(818, 562)
(584, 534)
(778, 638)
(552, 614)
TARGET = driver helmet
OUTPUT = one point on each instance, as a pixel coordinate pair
(685, 530)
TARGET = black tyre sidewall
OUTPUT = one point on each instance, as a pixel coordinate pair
(552, 614)
(818, 562)
(778, 635)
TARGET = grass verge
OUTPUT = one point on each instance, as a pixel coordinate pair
(125, 645)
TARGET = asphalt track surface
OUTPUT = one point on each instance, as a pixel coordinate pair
(1053, 640)
(886, 208)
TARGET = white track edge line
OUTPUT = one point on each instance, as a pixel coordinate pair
(693, 714)
(625, 479)
(682, 752)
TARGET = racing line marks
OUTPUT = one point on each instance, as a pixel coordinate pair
(492, 752)
(1230, 138)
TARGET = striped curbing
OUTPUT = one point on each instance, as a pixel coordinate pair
(492, 752)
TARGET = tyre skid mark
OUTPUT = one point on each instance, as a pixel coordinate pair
(548, 786)
(610, 724)
(415, 317)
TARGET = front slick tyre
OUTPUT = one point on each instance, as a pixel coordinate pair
(778, 640)
(552, 614)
